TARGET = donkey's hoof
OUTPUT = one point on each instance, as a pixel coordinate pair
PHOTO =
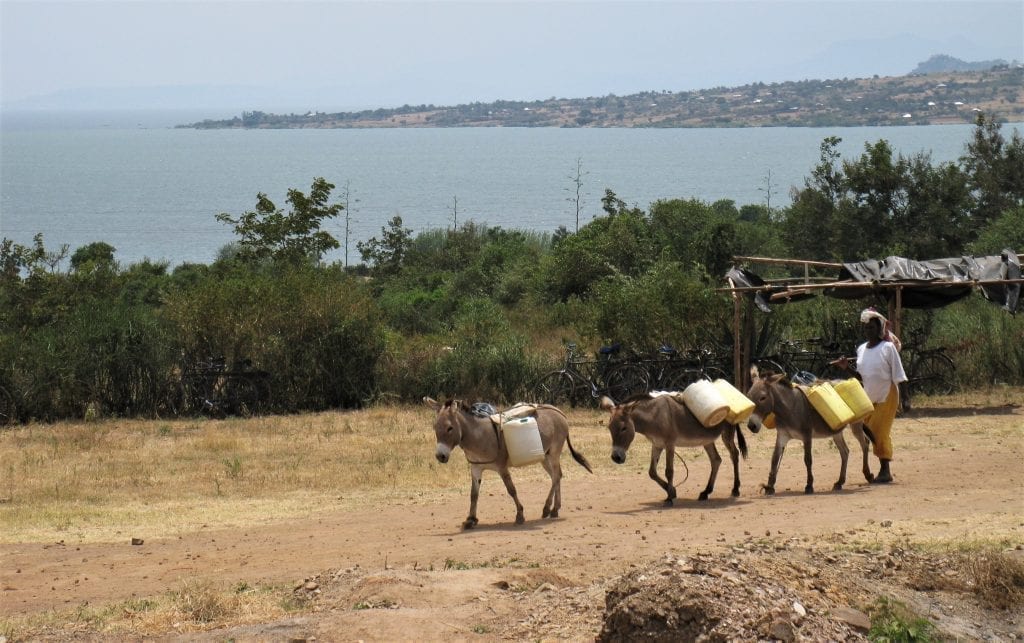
(553, 514)
(767, 490)
(703, 496)
(837, 486)
(469, 523)
(546, 513)
(870, 477)
(520, 519)
(735, 493)
(809, 489)
(669, 501)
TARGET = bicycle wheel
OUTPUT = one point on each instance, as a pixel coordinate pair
(768, 367)
(682, 378)
(624, 381)
(933, 374)
(241, 397)
(554, 388)
(714, 373)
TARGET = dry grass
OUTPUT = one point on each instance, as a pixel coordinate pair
(194, 606)
(110, 480)
(991, 572)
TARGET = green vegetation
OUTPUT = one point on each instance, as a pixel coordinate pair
(481, 312)
(893, 622)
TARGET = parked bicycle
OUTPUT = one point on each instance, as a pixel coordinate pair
(674, 370)
(580, 380)
(211, 388)
(813, 355)
(931, 371)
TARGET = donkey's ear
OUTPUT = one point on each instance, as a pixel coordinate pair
(754, 373)
(432, 403)
(776, 377)
(607, 404)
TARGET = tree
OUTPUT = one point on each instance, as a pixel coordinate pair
(93, 255)
(611, 203)
(808, 219)
(576, 191)
(347, 200)
(995, 168)
(387, 254)
(294, 237)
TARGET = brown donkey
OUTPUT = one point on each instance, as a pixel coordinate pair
(796, 419)
(456, 426)
(667, 423)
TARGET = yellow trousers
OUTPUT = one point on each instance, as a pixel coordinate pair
(880, 423)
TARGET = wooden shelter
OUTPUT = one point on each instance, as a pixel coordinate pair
(904, 284)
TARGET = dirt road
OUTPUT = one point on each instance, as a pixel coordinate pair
(959, 476)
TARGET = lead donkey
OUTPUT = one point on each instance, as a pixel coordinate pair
(796, 419)
(456, 426)
(667, 423)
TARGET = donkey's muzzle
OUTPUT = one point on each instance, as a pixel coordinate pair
(442, 454)
(754, 423)
(618, 455)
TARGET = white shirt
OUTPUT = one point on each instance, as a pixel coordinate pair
(879, 368)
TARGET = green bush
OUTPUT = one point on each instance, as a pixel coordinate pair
(318, 332)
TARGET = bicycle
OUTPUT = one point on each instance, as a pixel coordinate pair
(931, 371)
(671, 370)
(211, 388)
(813, 355)
(579, 380)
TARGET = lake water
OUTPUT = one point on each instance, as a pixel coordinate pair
(153, 192)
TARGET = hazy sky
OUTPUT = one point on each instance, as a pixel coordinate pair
(345, 55)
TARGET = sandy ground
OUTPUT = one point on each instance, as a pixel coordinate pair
(407, 571)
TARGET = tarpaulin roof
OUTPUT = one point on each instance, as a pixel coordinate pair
(922, 284)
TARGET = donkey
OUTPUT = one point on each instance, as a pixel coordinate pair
(667, 423)
(478, 436)
(795, 418)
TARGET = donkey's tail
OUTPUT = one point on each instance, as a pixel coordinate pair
(742, 441)
(867, 432)
(577, 456)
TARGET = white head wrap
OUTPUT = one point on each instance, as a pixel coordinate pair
(868, 314)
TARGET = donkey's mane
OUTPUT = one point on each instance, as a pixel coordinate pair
(636, 397)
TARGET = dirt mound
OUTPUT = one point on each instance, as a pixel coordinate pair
(779, 593)
(718, 599)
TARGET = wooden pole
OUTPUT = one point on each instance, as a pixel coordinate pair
(874, 285)
(737, 360)
(787, 262)
(899, 312)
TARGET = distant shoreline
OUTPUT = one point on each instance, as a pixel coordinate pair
(939, 98)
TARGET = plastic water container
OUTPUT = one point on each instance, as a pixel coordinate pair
(706, 403)
(522, 439)
(740, 406)
(855, 397)
(829, 405)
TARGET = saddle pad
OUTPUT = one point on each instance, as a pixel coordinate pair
(675, 395)
(517, 411)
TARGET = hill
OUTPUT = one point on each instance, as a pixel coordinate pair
(916, 99)
(942, 62)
